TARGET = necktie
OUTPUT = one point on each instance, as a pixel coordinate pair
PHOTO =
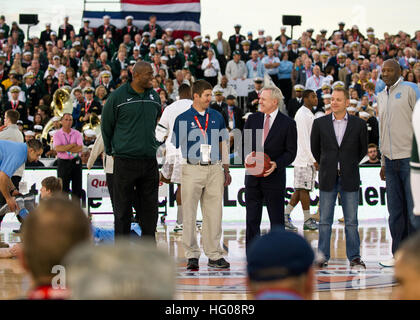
(266, 127)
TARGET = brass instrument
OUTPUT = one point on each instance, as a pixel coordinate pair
(62, 103)
(93, 124)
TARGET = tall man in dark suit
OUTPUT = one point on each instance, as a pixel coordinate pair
(279, 141)
(235, 40)
(338, 144)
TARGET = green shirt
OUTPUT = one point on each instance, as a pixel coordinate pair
(128, 123)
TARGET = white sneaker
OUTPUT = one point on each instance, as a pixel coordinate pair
(387, 264)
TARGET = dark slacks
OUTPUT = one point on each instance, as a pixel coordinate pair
(136, 183)
(71, 171)
(285, 86)
(110, 185)
(254, 197)
(211, 80)
(222, 63)
(402, 221)
(15, 181)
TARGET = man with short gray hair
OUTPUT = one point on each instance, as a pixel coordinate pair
(279, 142)
(124, 271)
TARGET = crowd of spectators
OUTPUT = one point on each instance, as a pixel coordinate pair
(91, 63)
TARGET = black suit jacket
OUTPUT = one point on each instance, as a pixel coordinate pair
(293, 106)
(251, 97)
(328, 153)
(280, 145)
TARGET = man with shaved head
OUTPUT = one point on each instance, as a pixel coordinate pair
(395, 105)
(128, 126)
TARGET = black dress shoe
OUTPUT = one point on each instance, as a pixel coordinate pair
(193, 264)
(357, 262)
(221, 263)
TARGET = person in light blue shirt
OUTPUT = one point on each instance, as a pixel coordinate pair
(285, 76)
(12, 156)
(255, 66)
(271, 65)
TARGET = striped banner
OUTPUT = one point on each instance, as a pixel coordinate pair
(183, 16)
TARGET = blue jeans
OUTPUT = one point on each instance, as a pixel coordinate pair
(402, 221)
(350, 203)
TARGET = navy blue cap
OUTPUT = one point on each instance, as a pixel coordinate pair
(278, 255)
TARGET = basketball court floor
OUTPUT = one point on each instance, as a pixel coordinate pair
(337, 282)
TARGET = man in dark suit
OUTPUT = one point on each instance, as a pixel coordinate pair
(234, 114)
(235, 40)
(294, 104)
(220, 105)
(105, 27)
(130, 29)
(338, 144)
(279, 141)
(46, 34)
(64, 29)
(254, 95)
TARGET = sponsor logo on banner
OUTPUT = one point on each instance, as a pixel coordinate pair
(372, 194)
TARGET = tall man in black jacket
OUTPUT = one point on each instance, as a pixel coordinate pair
(338, 144)
(279, 141)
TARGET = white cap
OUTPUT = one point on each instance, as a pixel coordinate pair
(169, 29)
(164, 58)
(106, 17)
(89, 133)
(353, 101)
(129, 17)
(218, 90)
(364, 114)
(326, 96)
(29, 133)
(38, 127)
(56, 57)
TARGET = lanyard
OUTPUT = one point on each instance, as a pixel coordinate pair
(201, 128)
(65, 137)
(317, 82)
(14, 106)
(87, 106)
(230, 114)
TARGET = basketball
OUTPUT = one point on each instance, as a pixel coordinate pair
(257, 163)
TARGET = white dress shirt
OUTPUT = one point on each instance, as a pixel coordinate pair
(314, 83)
(214, 70)
(273, 116)
(304, 119)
